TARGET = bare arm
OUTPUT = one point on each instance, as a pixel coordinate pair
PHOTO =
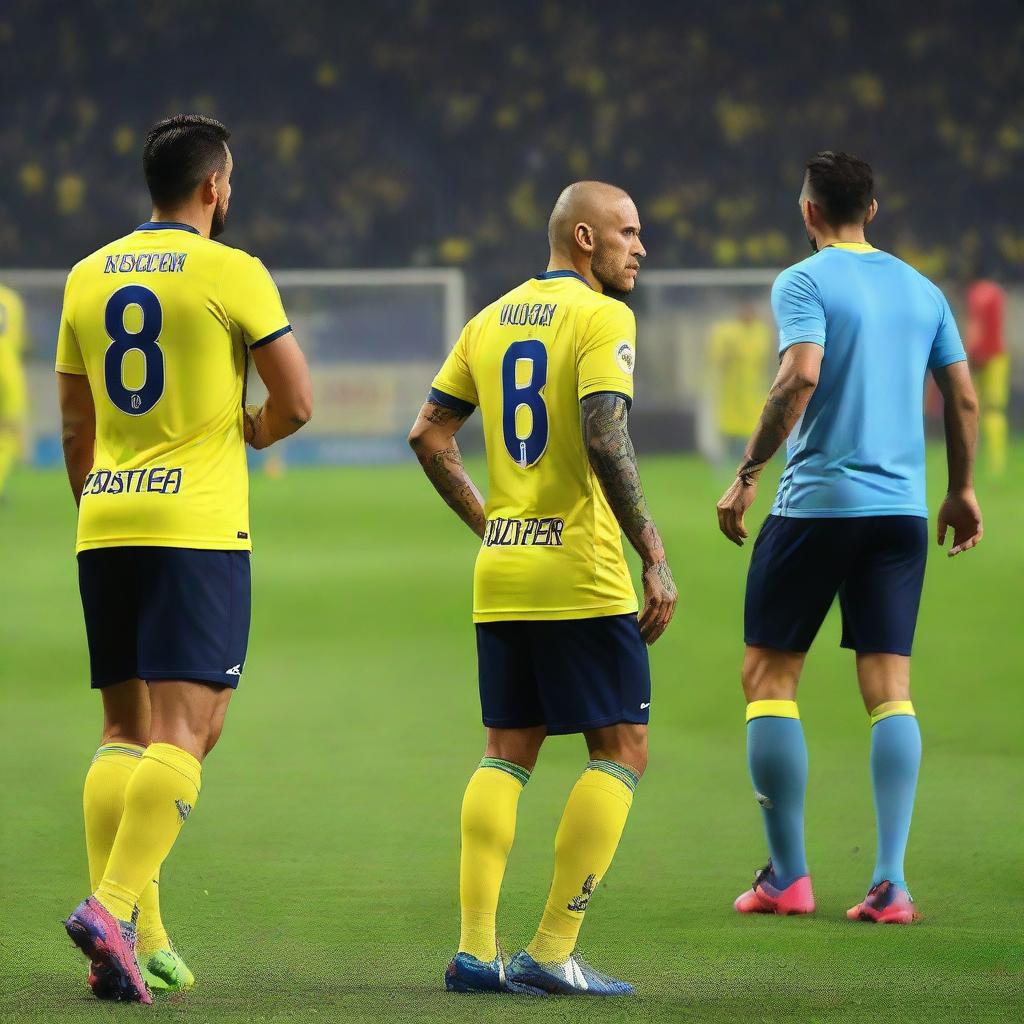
(613, 461)
(282, 368)
(794, 384)
(432, 438)
(78, 428)
(960, 508)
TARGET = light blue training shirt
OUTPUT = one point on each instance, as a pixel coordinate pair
(858, 449)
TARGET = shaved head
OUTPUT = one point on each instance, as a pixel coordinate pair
(597, 225)
(586, 201)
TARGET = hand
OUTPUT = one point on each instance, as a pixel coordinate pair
(660, 597)
(732, 506)
(960, 511)
(250, 423)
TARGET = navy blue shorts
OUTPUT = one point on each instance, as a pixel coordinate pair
(874, 563)
(568, 674)
(165, 613)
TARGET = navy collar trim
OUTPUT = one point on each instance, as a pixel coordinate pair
(165, 225)
(550, 275)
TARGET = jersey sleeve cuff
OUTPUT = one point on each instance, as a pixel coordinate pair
(628, 399)
(272, 337)
(459, 405)
(947, 360)
(815, 339)
(70, 368)
(613, 385)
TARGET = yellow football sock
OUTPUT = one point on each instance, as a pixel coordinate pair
(160, 795)
(995, 434)
(9, 448)
(588, 835)
(488, 829)
(152, 935)
(103, 801)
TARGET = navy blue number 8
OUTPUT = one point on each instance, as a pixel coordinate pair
(122, 341)
(525, 450)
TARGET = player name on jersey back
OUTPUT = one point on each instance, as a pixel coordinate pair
(163, 348)
(144, 263)
(551, 547)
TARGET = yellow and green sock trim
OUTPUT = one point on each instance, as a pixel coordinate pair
(517, 771)
(625, 775)
(772, 709)
(110, 749)
(891, 708)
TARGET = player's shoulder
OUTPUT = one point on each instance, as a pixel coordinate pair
(601, 311)
(801, 278)
(910, 277)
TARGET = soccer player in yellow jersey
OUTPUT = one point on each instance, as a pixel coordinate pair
(155, 337)
(13, 393)
(560, 645)
(739, 354)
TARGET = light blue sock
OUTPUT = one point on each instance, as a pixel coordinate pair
(777, 756)
(895, 759)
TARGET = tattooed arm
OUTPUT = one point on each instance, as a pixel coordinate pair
(613, 460)
(432, 438)
(795, 383)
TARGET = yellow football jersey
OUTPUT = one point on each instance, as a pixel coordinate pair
(159, 321)
(13, 391)
(552, 548)
(739, 355)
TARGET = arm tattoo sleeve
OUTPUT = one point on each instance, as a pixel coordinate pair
(445, 470)
(786, 403)
(613, 460)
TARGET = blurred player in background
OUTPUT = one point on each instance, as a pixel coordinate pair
(560, 646)
(738, 356)
(858, 332)
(990, 360)
(13, 392)
(155, 336)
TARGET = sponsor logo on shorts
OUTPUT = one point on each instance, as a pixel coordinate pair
(579, 903)
(645, 705)
(184, 809)
(502, 532)
(625, 356)
(235, 670)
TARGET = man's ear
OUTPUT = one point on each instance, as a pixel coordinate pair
(872, 210)
(209, 191)
(584, 236)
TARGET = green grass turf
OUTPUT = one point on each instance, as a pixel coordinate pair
(317, 878)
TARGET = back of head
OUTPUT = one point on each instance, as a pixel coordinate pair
(180, 153)
(841, 186)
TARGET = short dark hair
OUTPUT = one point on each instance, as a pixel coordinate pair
(841, 185)
(180, 152)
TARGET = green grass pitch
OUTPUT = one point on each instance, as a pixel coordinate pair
(317, 879)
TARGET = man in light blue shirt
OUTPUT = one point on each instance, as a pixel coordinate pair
(858, 332)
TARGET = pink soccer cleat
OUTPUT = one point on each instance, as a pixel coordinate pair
(765, 898)
(110, 945)
(885, 903)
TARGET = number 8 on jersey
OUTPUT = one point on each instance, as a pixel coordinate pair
(530, 356)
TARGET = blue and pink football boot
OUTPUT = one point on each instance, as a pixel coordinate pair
(767, 897)
(110, 946)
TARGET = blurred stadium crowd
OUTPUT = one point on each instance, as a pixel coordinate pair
(429, 132)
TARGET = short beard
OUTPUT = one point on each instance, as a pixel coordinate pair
(609, 289)
(219, 222)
